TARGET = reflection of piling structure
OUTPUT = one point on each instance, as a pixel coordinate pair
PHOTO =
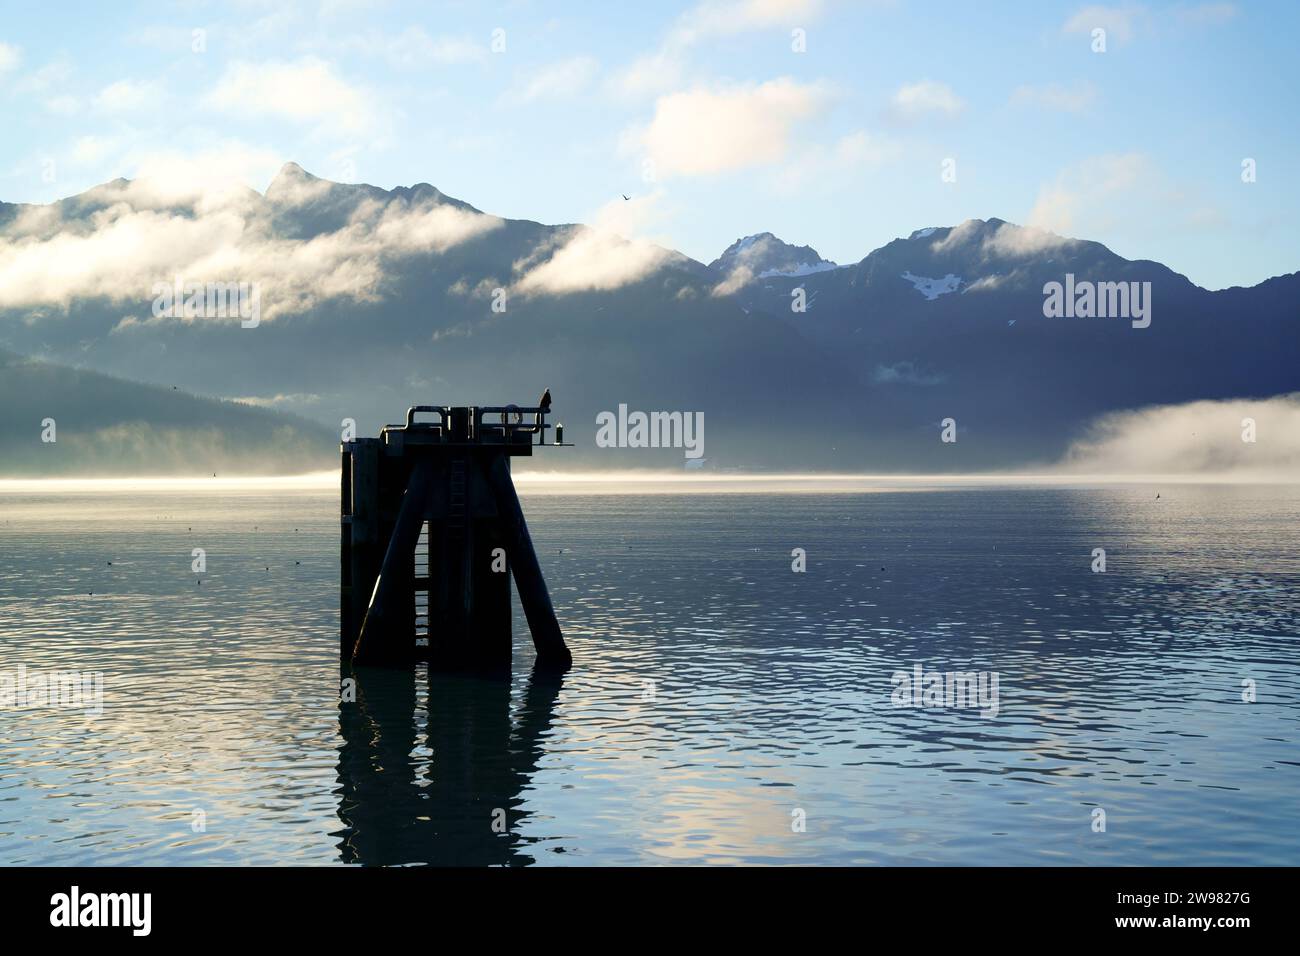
(401, 803)
(432, 531)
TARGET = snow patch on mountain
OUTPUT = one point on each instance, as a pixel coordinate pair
(802, 269)
(933, 288)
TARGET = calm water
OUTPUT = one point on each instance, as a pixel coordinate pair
(771, 689)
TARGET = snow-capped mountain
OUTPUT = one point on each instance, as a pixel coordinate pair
(763, 255)
(375, 299)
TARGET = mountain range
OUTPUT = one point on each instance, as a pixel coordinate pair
(60, 420)
(372, 300)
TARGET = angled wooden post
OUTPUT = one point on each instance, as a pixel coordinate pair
(547, 638)
(377, 643)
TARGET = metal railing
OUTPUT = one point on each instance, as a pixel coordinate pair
(512, 420)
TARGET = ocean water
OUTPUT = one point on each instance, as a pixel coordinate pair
(722, 708)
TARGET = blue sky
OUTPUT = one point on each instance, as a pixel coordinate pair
(703, 112)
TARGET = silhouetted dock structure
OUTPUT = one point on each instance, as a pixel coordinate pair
(432, 531)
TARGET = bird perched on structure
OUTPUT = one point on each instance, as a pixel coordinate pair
(544, 403)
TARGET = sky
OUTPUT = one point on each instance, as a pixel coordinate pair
(832, 123)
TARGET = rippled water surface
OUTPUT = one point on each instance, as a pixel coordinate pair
(715, 693)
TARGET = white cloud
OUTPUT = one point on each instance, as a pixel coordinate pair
(1089, 186)
(1197, 438)
(293, 399)
(92, 150)
(826, 167)
(1008, 239)
(1055, 97)
(663, 69)
(448, 51)
(149, 230)
(737, 279)
(597, 257)
(592, 260)
(1012, 240)
(10, 57)
(63, 105)
(44, 85)
(652, 73)
(46, 79)
(958, 235)
(706, 131)
(413, 48)
(914, 101)
(989, 283)
(723, 17)
(397, 228)
(128, 95)
(1118, 22)
(206, 181)
(305, 91)
(554, 81)
(1109, 195)
(166, 39)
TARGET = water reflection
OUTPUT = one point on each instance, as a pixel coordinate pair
(771, 689)
(432, 769)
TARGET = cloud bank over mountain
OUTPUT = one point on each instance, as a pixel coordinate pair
(375, 299)
(117, 241)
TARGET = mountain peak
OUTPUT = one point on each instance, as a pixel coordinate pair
(291, 180)
(763, 255)
(292, 170)
(293, 186)
(991, 239)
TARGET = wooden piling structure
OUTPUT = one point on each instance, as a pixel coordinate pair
(432, 529)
